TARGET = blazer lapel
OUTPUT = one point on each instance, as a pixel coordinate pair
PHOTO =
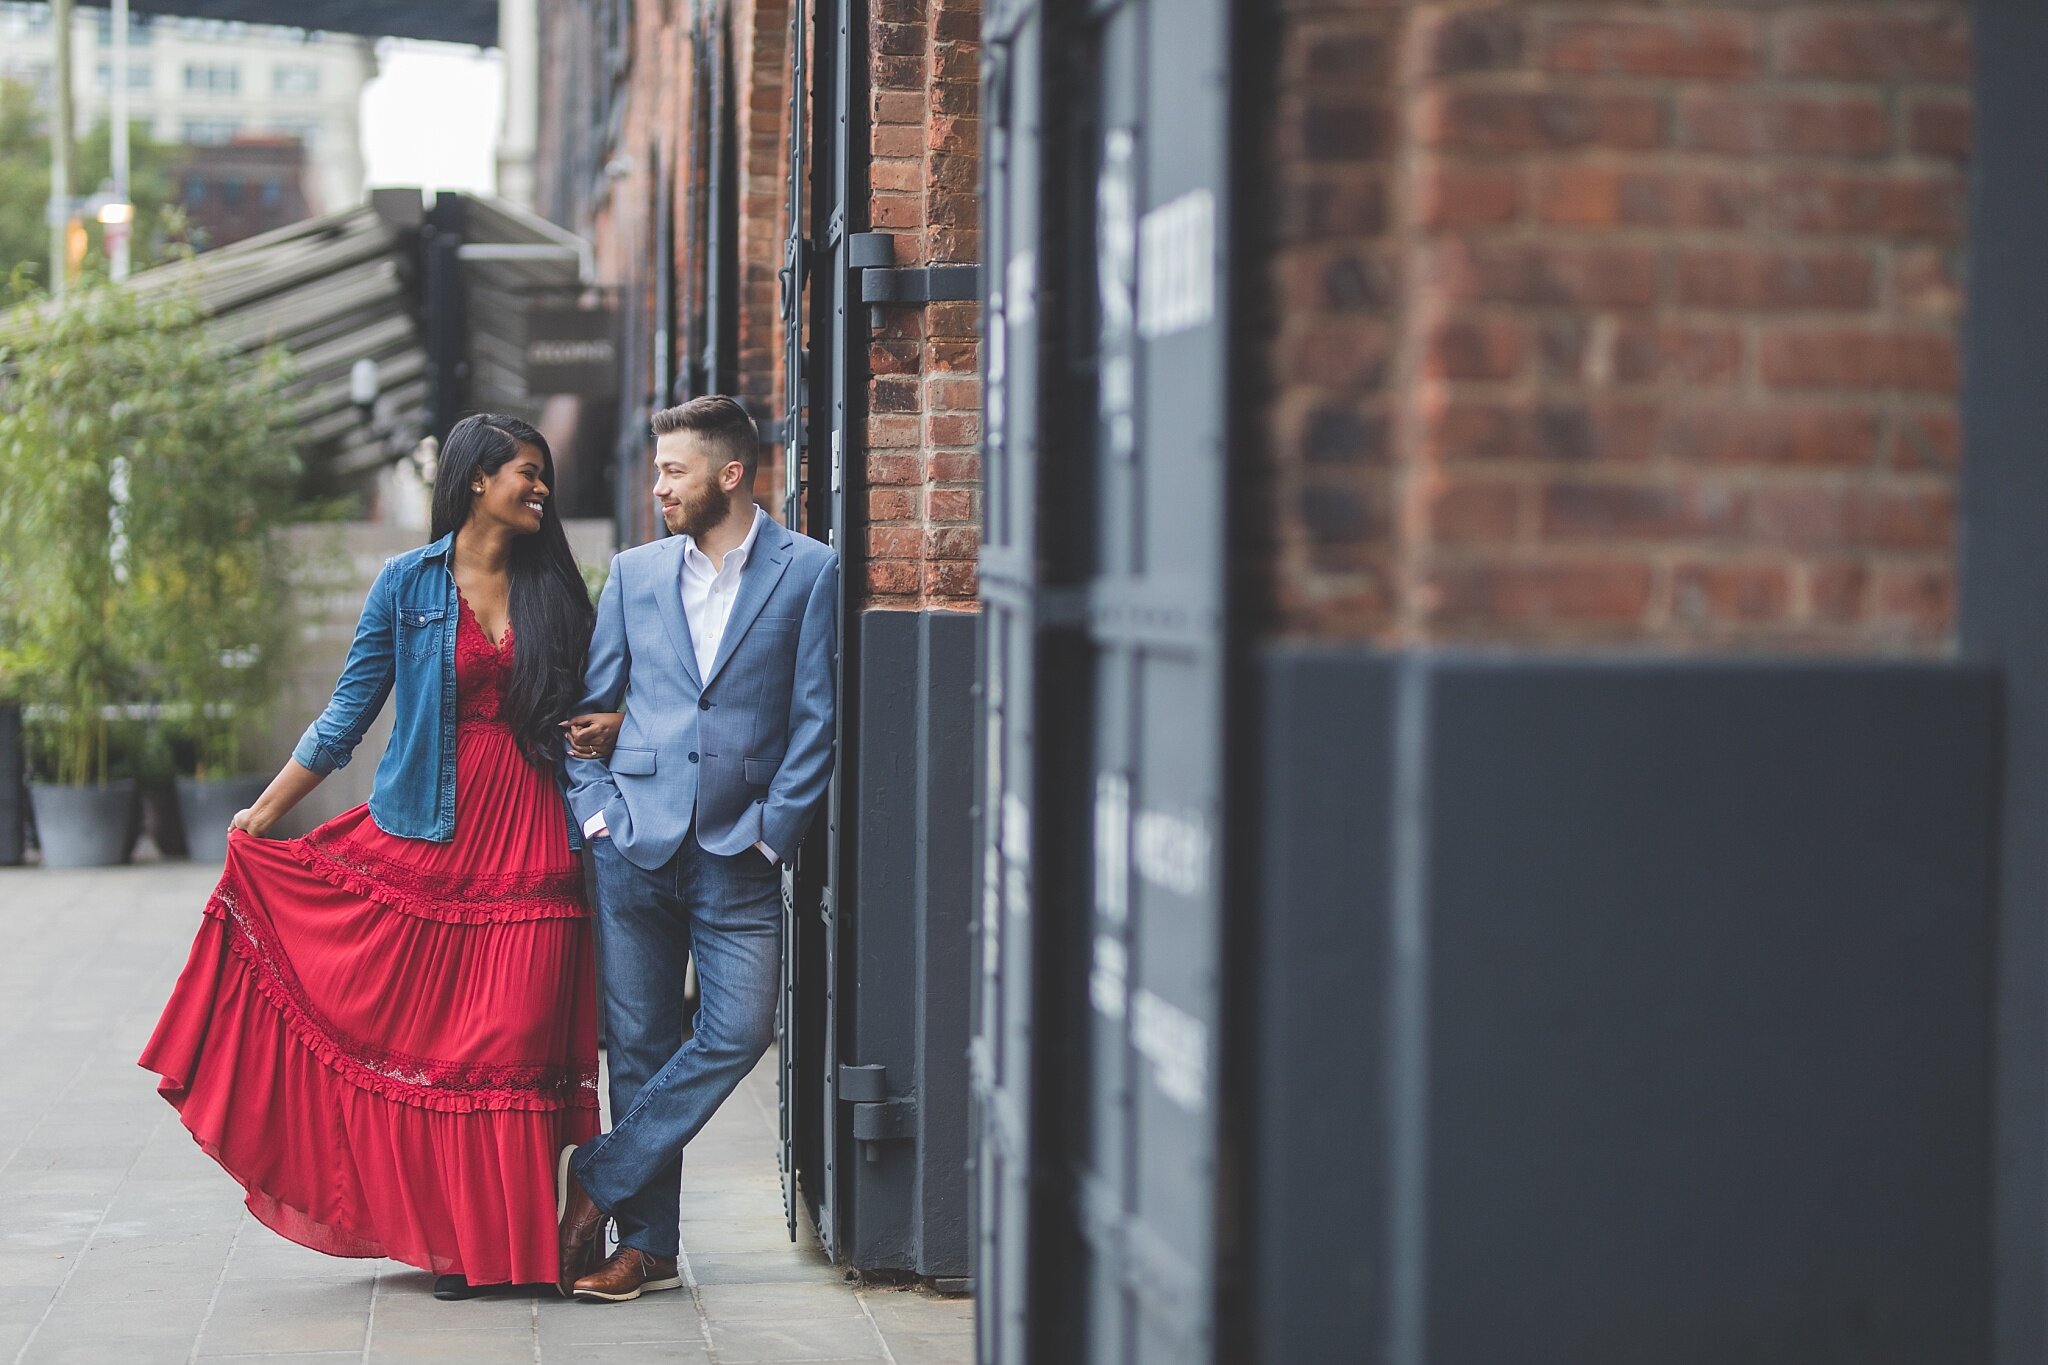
(757, 581)
(668, 594)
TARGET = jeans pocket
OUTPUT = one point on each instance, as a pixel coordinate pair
(754, 862)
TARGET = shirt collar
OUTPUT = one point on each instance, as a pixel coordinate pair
(737, 556)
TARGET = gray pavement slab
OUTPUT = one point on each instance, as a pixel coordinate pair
(120, 1241)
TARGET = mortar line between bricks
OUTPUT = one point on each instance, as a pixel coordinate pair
(220, 1282)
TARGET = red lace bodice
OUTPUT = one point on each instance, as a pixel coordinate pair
(482, 669)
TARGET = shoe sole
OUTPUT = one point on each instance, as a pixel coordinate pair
(644, 1287)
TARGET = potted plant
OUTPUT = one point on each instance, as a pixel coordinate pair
(219, 476)
(68, 654)
(144, 477)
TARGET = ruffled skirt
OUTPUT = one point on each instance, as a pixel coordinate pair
(388, 1041)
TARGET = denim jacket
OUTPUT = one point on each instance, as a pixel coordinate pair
(404, 641)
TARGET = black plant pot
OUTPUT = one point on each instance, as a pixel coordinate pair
(208, 805)
(85, 826)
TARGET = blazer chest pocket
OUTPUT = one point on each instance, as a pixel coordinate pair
(636, 762)
(760, 771)
(419, 633)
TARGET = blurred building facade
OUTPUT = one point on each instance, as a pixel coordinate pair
(1443, 750)
(205, 82)
(233, 190)
(1505, 787)
(744, 172)
(1633, 780)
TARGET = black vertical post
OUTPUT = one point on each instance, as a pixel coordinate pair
(721, 251)
(13, 772)
(446, 324)
(2004, 571)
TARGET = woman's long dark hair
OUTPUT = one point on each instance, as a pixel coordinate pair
(551, 611)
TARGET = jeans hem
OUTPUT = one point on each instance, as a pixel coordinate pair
(638, 1241)
(579, 1163)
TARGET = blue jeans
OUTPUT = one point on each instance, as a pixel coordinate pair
(728, 910)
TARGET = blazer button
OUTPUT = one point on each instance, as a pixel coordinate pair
(693, 758)
(703, 705)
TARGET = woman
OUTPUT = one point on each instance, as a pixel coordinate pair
(386, 1029)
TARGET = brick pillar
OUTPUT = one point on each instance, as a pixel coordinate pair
(761, 75)
(924, 400)
(1616, 326)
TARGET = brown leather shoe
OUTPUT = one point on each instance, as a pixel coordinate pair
(630, 1273)
(580, 1242)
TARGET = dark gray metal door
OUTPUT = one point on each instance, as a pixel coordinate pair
(1105, 671)
(825, 340)
(794, 443)
(1006, 941)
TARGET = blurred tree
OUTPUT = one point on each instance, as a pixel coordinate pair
(25, 184)
(146, 473)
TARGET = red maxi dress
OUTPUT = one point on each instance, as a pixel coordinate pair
(388, 1041)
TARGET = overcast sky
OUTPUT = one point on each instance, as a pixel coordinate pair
(430, 118)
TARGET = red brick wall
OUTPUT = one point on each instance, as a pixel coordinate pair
(924, 401)
(761, 72)
(924, 426)
(1616, 323)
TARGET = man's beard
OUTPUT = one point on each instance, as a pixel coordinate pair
(696, 515)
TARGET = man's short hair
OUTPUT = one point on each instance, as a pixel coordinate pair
(722, 424)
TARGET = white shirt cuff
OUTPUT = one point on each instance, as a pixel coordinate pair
(594, 826)
(766, 851)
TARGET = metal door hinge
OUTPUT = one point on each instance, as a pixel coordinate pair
(884, 284)
(876, 1116)
(796, 260)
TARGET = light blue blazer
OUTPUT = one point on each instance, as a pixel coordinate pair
(744, 753)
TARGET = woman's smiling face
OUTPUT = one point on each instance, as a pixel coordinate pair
(515, 496)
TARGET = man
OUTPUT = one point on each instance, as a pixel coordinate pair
(719, 641)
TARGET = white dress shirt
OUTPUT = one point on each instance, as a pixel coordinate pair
(709, 591)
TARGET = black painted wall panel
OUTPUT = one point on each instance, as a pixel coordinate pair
(945, 879)
(1708, 1019)
(1619, 1012)
(904, 986)
(1318, 1035)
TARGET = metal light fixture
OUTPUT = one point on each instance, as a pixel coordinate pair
(362, 383)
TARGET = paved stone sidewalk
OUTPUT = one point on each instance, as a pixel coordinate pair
(122, 1244)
